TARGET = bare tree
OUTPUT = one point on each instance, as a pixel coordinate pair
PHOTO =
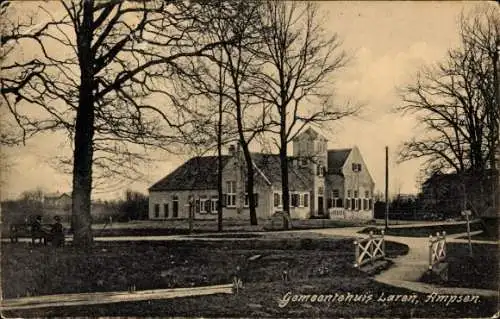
(237, 61)
(456, 102)
(102, 65)
(298, 60)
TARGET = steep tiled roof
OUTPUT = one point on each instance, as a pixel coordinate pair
(336, 159)
(198, 173)
(299, 178)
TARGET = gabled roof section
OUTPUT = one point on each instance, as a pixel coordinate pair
(299, 178)
(198, 173)
(336, 159)
(313, 133)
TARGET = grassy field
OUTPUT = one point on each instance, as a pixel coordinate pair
(480, 271)
(317, 265)
(425, 231)
(115, 266)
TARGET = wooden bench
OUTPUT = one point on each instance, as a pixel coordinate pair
(17, 231)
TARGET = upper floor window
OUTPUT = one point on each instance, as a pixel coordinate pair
(367, 194)
(335, 193)
(349, 193)
(356, 194)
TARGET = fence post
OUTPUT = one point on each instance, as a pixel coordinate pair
(444, 244)
(430, 252)
(370, 242)
(383, 243)
(356, 253)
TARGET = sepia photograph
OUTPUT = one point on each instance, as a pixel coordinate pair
(249, 159)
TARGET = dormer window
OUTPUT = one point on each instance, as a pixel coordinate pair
(356, 167)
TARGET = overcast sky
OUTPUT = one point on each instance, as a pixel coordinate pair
(389, 41)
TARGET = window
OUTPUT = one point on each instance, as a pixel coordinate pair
(370, 204)
(256, 199)
(348, 193)
(339, 202)
(214, 203)
(295, 200)
(353, 204)
(203, 205)
(347, 203)
(367, 194)
(320, 170)
(365, 204)
(358, 204)
(335, 199)
(277, 200)
(175, 206)
(306, 200)
(230, 194)
(321, 190)
(356, 167)
(165, 209)
(356, 193)
(157, 210)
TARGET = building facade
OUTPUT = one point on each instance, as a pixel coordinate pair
(322, 182)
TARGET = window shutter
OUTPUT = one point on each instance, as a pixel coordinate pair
(197, 205)
(224, 200)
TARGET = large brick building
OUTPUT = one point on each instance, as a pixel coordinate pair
(321, 181)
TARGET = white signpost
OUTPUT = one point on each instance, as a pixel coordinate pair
(468, 213)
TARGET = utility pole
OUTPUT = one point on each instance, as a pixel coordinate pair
(386, 188)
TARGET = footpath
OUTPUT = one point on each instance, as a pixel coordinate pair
(407, 270)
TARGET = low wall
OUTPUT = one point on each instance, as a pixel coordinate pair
(344, 214)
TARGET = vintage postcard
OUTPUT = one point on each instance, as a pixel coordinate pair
(256, 159)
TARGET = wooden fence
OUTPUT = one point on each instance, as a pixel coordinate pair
(437, 249)
(370, 249)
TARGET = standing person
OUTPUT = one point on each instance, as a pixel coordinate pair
(57, 232)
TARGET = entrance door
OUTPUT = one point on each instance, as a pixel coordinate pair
(320, 205)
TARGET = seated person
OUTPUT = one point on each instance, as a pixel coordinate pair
(37, 231)
(57, 232)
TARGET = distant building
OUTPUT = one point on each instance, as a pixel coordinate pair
(57, 201)
(321, 182)
(451, 193)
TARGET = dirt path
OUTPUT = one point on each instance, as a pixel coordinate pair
(407, 269)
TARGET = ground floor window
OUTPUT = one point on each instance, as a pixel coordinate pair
(214, 203)
(165, 209)
(294, 200)
(175, 206)
(157, 210)
(256, 199)
(306, 200)
(230, 194)
(277, 199)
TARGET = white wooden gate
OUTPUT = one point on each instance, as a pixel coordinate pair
(369, 249)
(437, 250)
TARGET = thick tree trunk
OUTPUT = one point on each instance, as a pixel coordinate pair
(284, 178)
(84, 133)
